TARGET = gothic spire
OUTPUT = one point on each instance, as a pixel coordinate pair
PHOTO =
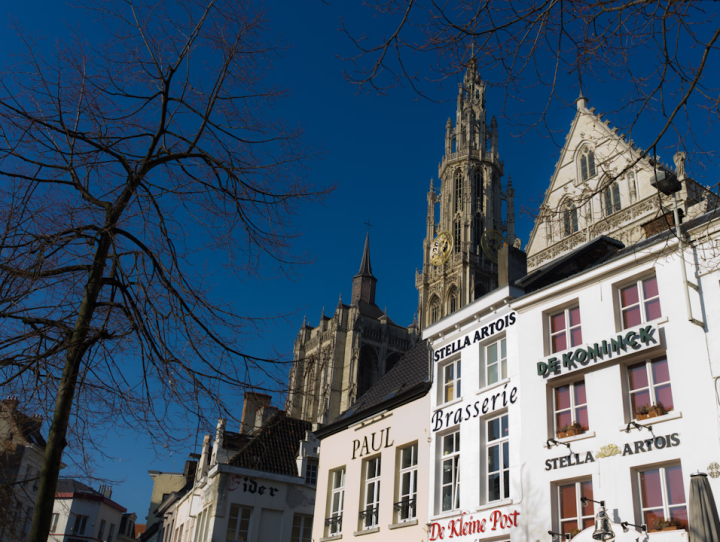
(364, 282)
(365, 268)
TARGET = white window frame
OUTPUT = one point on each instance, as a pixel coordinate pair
(651, 384)
(454, 382)
(201, 525)
(407, 506)
(370, 509)
(305, 528)
(311, 471)
(663, 491)
(239, 515)
(579, 509)
(101, 530)
(337, 475)
(573, 406)
(54, 522)
(566, 331)
(500, 362)
(497, 443)
(451, 458)
(642, 302)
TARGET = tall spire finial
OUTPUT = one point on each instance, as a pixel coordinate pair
(368, 225)
(365, 267)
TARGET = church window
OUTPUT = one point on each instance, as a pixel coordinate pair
(456, 240)
(632, 186)
(570, 220)
(453, 299)
(612, 199)
(587, 164)
(477, 178)
(478, 230)
(458, 191)
(434, 310)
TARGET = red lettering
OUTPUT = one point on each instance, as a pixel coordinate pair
(495, 518)
(515, 515)
(482, 526)
(436, 531)
(456, 527)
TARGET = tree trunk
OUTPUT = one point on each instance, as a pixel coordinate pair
(56, 442)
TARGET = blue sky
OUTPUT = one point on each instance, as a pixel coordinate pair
(381, 151)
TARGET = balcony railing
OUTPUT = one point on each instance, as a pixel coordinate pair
(406, 508)
(334, 524)
(369, 517)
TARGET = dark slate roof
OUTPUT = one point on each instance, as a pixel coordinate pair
(234, 441)
(273, 447)
(407, 380)
(68, 485)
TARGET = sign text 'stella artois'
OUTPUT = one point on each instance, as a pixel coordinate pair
(471, 338)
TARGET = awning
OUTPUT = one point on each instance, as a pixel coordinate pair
(704, 521)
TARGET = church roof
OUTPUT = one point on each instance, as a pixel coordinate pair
(406, 381)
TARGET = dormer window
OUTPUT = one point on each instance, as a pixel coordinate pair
(587, 164)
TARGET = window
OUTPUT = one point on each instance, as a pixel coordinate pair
(311, 471)
(478, 230)
(479, 189)
(28, 520)
(450, 484)
(571, 413)
(456, 240)
(498, 459)
(238, 527)
(369, 515)
(201, 525)
(407, 506)
(612, 199)
(79, 525)
(458, 191)
(111, 532)
(451, 381)
(101, 531)
(301, 528)
(54, 522)
(662, 498)
(434, 310)
(570, 220)
(495, 362)
(587, 164)
(565, 329)
(649, 387)
(337, 498)
(573, 517)
(453, 300)
(640, 302)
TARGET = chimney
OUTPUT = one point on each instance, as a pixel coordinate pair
(253, 401)
(263, 414)
(10, 404)
(512, 265)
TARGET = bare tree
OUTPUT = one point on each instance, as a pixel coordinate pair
(126, 167)
(660, 54)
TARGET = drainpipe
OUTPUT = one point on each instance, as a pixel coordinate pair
(686, 283)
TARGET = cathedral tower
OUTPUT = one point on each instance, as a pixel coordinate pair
(468, 211)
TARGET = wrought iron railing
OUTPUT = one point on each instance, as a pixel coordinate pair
(369, 517)
(406, 508)
(334, 524)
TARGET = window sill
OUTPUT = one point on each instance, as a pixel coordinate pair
(367, 531)
(329, 538)
(494, 504)
(586, 434)
(446, 514)
(492, 386)
(450, 403)
(674, 415)
(409, 523)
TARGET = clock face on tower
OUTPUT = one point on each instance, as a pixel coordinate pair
(441, 248)
(492, 241)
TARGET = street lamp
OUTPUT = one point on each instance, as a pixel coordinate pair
(603, 528)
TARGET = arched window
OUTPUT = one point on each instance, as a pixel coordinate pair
(478, 230)
(434, 310)
(458, 191)
(453, 303)
(456, 240)
(612, 199)
(587, 164)
(477, 179)
(570, 220)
